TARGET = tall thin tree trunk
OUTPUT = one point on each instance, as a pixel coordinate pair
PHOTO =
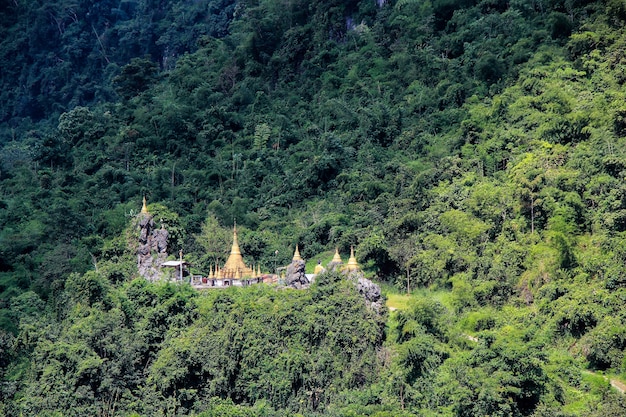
(532, 215)
(408, 281)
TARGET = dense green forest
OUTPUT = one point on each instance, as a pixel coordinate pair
(472, 152)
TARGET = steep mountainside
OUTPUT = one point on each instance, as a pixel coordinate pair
(472, 150)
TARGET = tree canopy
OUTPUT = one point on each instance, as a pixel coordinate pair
(471, 151)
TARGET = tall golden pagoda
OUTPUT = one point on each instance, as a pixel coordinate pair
(352, 263)
(234, 266)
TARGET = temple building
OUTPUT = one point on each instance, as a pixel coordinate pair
(234, 272)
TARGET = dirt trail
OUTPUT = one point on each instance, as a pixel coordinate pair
(618, 385)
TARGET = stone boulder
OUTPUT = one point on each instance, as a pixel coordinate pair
(295, 276)
(371, 293)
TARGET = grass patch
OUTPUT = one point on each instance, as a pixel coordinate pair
(398, 301)
(595, 383)
(592, 387)
(402, 301)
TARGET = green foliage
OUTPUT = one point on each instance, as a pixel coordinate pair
(144, 347)
(135, 77)
(475, 148)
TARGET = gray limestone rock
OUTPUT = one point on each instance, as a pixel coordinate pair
(152, 248)
(143, 250)
(295, 276)
(370, 291)
(143, 235)
(160, 239)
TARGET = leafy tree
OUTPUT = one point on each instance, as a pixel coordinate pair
(214, 241)
(135, 77)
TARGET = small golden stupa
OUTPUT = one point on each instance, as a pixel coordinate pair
(234, 266)
(352, 263)
(337, 257)
(296, 255)
(144, 208)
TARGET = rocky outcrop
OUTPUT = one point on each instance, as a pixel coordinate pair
(295, 276)
(371, 293)
(152, 249)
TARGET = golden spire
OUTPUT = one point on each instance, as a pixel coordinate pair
(258, 270)
(337, 258)
(211, 273)
(296, 255)
(144, 208)
(235, 248)
(352, 264)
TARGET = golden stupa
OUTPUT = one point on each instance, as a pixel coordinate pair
(337, 257)
(352, 263)
(296, 255)
(234, 266)
(144, 208)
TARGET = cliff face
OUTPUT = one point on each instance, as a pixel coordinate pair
(152, 250)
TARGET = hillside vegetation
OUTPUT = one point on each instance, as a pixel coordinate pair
(472, 151)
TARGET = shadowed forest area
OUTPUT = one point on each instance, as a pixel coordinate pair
(471, 151)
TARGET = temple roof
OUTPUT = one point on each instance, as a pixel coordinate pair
(175, 263)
